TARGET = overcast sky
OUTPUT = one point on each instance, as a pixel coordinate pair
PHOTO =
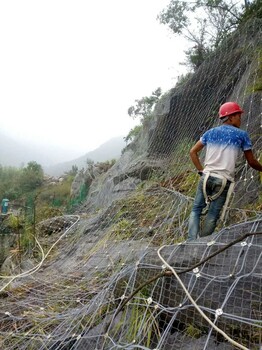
(69, 70)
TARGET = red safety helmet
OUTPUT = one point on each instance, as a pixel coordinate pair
(229, 108)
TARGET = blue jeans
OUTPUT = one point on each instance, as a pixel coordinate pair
(213, 185)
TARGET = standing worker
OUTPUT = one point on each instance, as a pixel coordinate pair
(223, 144)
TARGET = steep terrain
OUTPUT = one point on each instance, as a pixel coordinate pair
(118, 274)
(233, 73)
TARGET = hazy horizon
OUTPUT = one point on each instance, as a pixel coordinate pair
(70, 70)
(16, 153)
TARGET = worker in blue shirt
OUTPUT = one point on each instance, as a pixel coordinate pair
(222, 144)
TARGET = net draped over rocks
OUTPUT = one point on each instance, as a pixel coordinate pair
(118, 273)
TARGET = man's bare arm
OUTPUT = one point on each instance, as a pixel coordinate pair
(194, 155)
(252, 161)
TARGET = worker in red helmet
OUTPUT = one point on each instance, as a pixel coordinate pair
(222, 144)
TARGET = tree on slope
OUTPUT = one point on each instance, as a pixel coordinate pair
(32, 176)
(143, 108)
(145, 105)
(205, 23)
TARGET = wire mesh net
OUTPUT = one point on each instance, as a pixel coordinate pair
(123, 276)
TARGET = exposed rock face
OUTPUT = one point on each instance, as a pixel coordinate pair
(85, 177)
(121, 179)
(82, 178)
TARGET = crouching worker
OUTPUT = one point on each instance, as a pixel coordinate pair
(223, 144)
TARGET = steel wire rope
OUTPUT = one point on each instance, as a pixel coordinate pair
(249, 321)
(232, 341)
(242, 250)
(169, 326)
(227, 296)
(102, 296)
(165, 273)
(44, 256)
(26, 273)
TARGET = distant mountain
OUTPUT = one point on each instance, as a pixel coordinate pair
(107, 151)
(17, 152)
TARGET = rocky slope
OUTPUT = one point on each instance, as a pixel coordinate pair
(232, 73)
(106, 281)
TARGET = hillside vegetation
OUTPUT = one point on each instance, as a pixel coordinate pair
(116, 272)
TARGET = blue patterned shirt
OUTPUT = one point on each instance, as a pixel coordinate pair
(223, 145)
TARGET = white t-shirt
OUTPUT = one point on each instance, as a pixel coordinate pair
(223, 145)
